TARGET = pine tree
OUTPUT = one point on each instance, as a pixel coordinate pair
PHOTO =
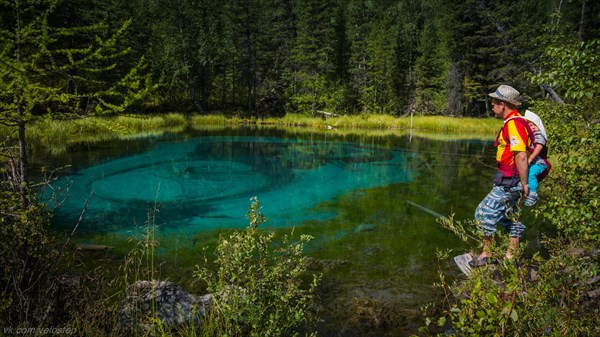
(360, 18)
(384, 65)
(313, 63)
(246, 18)
(274, 51)
(408, 16)
(432, 65)
(478, 50)
(51, 68)
(188, 43)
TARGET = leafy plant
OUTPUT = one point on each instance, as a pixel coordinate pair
(574, 69)
(537, 296)
(258, 283)
(28, 260)
(30, 275)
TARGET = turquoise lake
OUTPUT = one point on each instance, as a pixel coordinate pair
(366, 199)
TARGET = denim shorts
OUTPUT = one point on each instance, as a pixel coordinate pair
(501, 207)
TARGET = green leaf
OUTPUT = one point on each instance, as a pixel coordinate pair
(514, 315)
(491, 298)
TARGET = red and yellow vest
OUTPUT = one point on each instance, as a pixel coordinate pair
(516, 139)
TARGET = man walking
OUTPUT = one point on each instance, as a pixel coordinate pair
(500, 206)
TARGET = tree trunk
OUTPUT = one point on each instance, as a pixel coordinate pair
(23, 165)
(186, 59)
(194, 95)
(553, 94)
(581, 21)
(23, 179)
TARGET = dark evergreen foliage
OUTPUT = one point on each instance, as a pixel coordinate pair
(349, 56)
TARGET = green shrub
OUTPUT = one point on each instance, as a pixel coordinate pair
(28, 273)
(258, 286)
(572, 195)
(539, 296)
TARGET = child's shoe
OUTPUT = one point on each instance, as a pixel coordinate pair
(532, 199)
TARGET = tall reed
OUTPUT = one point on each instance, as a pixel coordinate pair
(439, 124)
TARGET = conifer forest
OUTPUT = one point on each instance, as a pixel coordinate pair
(269, 57)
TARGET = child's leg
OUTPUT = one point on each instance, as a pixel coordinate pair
(534, 171)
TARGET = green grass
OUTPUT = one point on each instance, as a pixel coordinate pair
(201, 120)
(57, 135)
(474, 127)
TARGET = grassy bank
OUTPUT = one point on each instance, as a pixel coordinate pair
(424, 124)
(56, 135)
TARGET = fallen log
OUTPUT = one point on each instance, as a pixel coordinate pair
(330, 114)
(425, 209)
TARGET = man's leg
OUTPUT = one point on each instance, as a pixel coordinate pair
(487, 240)
(500, 207)
(489, 212)
(512, 224)
(513, 245)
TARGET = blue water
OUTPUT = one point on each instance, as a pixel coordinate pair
(205, 183)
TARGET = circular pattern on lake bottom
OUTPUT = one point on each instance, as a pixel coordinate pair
(179, 181)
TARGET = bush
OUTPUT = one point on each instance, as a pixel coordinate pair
(571, 191)
(28, 275)
(258, 285)
(539, 296)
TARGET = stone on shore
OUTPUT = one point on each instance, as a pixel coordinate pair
(149, 302)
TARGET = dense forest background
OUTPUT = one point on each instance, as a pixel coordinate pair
(269, 57)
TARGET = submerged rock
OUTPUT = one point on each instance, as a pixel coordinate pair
(150, 302)
(365, 227)
(326, 265)
(92, 246)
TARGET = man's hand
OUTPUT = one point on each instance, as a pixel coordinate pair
(525, 190)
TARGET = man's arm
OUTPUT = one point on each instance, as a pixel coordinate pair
(523, 168)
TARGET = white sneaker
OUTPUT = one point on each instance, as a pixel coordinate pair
(532, 199)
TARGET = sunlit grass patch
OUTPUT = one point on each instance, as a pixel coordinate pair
(456, 125)
(295, 119)
(212, 120)
(440, 124)
(146, 123)
(386, 122)
(56, 135)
